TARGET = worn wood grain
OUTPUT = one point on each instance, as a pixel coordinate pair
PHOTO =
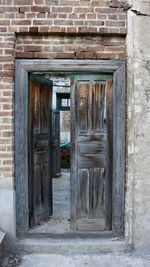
(40, 175)
(117, 68)
(119, 103)
(21, 147)
(90, 148)
(55, 143)
(96, 66)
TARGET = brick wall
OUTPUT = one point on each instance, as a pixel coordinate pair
(70, 47)
(92, 29)
(96, 16)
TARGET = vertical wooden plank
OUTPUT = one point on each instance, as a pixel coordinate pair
(108, 125)
(36, 107)
(82, 106)
(99, 192)
(21, 147)
(83, 196)
(40, 177)
(90, 192)
(45, 100)
(74, 169)
(98, 106)
(119, 100)
(55, 143)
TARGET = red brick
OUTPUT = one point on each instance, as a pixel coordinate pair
(9, 73)
(71, 29)
(61, 9)
(63, 22)
(44, 29)
(65, 56)
(41, 15)
(41, 9)
(62, 16)
(83, 9)
(3, 29)
(44, 55)
(23, 2)
(24, 55)
(115, 23)
(30, 15)
(123, 30)
(9, 15)
(33, 29)
(4, 22)
(24, 9)
(70, 3)
(85, 55)
(23, 29)
(8, 66)
(21, 22)
(99, 3)
(20, 16)
(91, 16)
(112, 16)
(39, 2)
(55, 29)
(107, 56)
(6, 2)
(32, 48)
(104, 10)
(5, 58)
(42, 22)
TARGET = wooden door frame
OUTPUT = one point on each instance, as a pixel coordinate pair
(23, 68)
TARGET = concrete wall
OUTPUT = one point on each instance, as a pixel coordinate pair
(7, 207)
(138, 161)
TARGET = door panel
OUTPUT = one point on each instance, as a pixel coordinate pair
(90, 178)
(55, 143)
(40, 178)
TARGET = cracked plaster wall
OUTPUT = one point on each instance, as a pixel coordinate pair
(138, 125)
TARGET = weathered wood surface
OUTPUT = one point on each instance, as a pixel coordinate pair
(119, 110)
(90, 142)
(117, 68)
(21, 147)
(55, 143)
(40, 175)
(96, 66)
(109, 158)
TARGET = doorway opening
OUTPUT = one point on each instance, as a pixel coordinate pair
(60, 143)
(91, 170)
(83, 191)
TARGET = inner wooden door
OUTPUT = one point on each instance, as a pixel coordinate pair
(91, 163)
(40, 162)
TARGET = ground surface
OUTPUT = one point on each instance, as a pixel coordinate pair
(102, 260)
(135, 259)
(59, 222)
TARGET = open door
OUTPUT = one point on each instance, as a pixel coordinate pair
(55, 142)
(40, 176)
(91, 163)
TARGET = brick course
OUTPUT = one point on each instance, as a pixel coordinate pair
(67, 47)
(62, 29)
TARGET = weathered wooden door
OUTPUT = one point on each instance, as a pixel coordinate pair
(91, 163)
(40, 177)
(55, 142)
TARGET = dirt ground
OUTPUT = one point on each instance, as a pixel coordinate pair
(101, 260)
